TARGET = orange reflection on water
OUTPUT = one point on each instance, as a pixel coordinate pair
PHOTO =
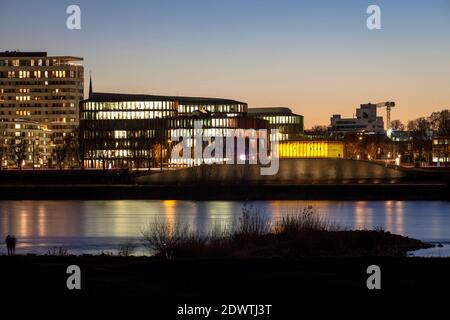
(389, 215)
(400, 214)
(42, 223)
(169, 214)
(23, 222)
(360, 214)
(394, 216)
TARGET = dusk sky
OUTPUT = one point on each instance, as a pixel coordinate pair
(317, 57)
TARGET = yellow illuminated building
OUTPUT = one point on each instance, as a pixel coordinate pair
(310, 149)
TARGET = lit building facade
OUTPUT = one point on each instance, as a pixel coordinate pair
(441, 149)
(216, 107)
(25, 144)
(42, 89)
(366, 121)
(289, 125)
(139, 131)
(311, 149)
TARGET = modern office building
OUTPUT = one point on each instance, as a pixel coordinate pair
(139, 131)
(366, 121)
(215, 107)
(25, 144)
(44, 89)
(288, 124)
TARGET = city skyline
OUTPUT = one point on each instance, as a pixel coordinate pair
(270, 54)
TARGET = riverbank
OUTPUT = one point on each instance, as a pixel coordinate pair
(352, 190)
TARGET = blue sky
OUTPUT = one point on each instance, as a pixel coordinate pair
(316, 57)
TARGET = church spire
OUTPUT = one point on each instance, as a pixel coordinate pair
(91, 93)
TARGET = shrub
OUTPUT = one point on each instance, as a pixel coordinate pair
(166, 240)
(251, 224)
(127, 248)
(58, 251)
(305, 221)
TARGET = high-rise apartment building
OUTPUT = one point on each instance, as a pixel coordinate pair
(42, 89)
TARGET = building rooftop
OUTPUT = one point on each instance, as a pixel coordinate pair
(269, 110)
(117, 97)
(22, 54)
(34, 54)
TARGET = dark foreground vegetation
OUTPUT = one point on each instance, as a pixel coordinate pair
(300, 234)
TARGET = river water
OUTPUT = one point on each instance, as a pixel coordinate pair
(101, 226)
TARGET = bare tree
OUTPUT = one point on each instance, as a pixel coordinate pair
(440, 122)
(3, 153)
(319, 130)
(103, 158)
(419, 126)
(19, 152)
(61, 154)
(397, 125)
(135, 154)
(73, 150)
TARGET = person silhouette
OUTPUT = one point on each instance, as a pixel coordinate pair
(13, 245)
(8, 244)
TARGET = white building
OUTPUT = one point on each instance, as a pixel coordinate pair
(366, 121)
(26, 142)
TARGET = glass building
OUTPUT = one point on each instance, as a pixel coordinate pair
(289, 125)
(139, 131)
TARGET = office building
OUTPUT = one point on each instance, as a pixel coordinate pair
(139, 131)
(366, 121)
(288, 124)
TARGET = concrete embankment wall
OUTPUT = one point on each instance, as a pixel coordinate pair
(291, 171)
(313, 179)
(225, 192)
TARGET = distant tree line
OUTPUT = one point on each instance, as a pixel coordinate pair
(438, 122)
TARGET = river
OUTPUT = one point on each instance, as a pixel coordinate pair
(101, 226)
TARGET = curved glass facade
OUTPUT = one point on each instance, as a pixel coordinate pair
(128, 110)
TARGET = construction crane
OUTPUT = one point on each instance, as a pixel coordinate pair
(388, 105)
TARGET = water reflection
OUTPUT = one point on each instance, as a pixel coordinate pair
(101, 224)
